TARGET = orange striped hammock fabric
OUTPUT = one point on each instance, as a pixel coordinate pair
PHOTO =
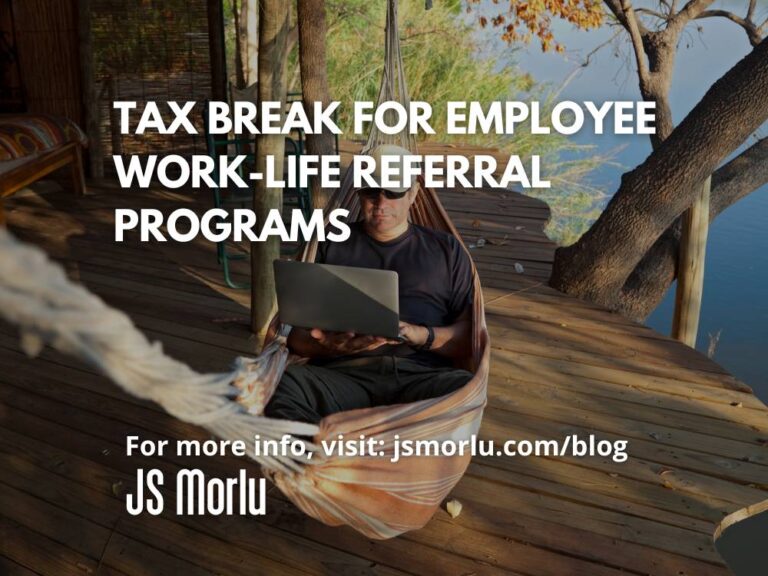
(377, 497)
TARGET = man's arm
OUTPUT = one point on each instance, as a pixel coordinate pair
(451, 341)
(316, 343)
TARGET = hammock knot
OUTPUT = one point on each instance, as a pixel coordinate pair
(257, 378)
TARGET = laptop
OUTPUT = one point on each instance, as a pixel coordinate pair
(338, 298)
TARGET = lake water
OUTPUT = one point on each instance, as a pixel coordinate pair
(735, 277)
(736, 270)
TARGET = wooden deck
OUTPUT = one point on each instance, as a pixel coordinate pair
(698, 439)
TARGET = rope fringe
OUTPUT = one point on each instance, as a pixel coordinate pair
(37, 296)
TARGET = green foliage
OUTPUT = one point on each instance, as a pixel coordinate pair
(443, 63)
(438, 51)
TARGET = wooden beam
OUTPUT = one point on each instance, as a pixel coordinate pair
(35, 167)
(90, 92)
(217, 50)
(690, 276)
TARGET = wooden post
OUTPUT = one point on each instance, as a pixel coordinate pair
(216, 50)
(114, 117)
(690, 275)
(91, 108)
(76, 172)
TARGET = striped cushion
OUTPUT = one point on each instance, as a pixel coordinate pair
(25, 134)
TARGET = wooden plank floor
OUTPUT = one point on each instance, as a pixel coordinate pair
(698, 439)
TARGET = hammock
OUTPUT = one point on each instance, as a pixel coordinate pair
(377, 497)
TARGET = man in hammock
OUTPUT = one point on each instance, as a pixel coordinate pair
(348, 371)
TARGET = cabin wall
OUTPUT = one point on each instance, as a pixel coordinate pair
(150, 52)
(139, 50)
(11, 96)
(48, 51)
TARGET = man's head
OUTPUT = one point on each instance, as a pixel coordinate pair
(385, 210)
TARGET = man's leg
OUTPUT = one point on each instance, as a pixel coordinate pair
(419, 382)
(307, 393)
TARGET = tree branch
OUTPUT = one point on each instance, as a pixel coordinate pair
(615, 7)
(739, 177)
(723, 14)
(751, 9)
(691, 10)
(654, 194)
(653, 13)
(595, 50)
(650, 280)
(584, 64)
(753, 32)
(635, 34)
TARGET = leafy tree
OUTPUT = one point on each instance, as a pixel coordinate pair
(647, 263)
(531, 19)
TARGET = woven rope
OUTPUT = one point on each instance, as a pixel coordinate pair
(48, 308)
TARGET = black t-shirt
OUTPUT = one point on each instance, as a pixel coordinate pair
(434, 275)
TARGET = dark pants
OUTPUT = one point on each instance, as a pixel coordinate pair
(307, 393)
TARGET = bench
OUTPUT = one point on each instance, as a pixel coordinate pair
(32, 146)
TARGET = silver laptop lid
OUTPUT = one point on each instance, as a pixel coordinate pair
(338, 298)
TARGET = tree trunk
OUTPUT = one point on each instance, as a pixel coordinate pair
(649, 281)
(273, 30)
(652, 196)
(314, 81)
(660, 47)
(240, 34)
(655, 54)
(250, 43)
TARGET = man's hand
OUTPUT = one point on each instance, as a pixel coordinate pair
(341, 343)
(414, 334)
